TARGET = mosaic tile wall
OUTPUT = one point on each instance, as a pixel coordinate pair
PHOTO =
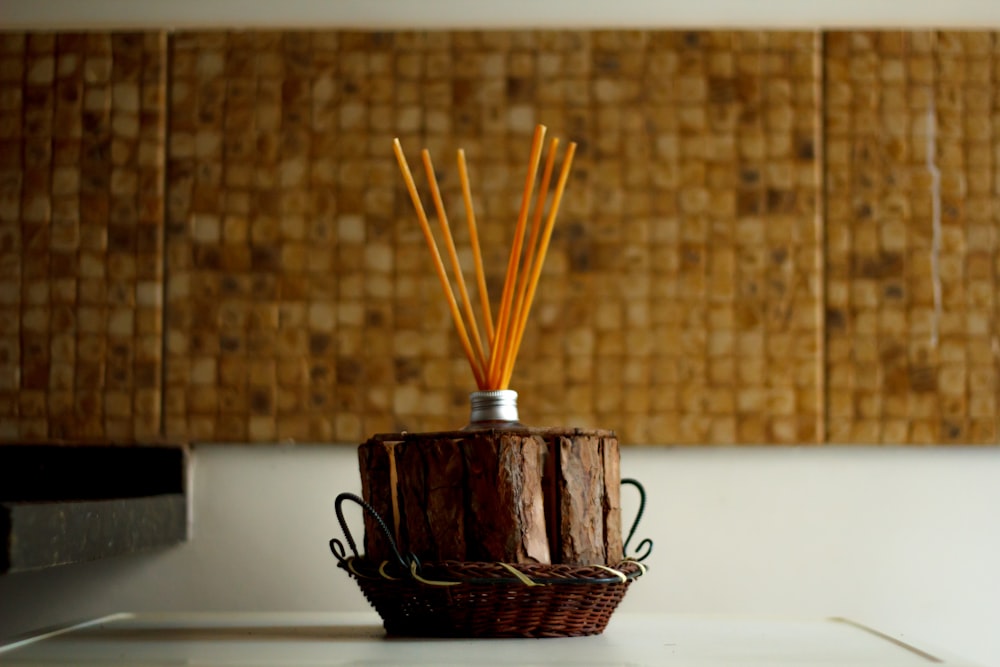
(82, 144)
(744, 252)
(680, 301)
(912, 139)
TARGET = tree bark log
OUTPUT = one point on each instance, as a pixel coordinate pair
(515, 496)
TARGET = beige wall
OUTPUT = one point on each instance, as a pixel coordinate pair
(515, 13)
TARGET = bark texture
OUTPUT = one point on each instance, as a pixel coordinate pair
(515, 496)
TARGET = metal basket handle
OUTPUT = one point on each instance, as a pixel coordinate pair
(647, 543)
(337, 547)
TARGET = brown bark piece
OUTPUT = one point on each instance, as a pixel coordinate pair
(521, 472)
(550, 492)
(491, 520)
(414, 531)
(431, 499)
(581, 500)
(445, 499)
(612, 507)
(374, 460)
(506, 520)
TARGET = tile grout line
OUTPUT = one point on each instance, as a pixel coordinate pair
(821, 217)
(166, 43)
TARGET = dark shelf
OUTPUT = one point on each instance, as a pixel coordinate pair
(63, 504)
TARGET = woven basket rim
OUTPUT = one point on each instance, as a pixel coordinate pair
(451, 572)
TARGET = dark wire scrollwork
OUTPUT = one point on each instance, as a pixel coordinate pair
(337, 547)
(645, 546)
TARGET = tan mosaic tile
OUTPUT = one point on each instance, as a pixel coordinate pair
(682, 296)
(679, 301)
(81, 199)
(912, 228)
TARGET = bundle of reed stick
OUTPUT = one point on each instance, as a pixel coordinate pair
(492, 362)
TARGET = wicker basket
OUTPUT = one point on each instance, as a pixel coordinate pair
(471, 599)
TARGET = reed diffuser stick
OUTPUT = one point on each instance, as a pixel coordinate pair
(529, 256)
(438, 265)
(536, 269)
(456, 267)
(477, 255)
(499, 342)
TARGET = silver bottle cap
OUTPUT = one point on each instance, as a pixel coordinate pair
(493, 408)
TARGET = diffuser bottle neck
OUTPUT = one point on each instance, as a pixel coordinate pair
(493, 409)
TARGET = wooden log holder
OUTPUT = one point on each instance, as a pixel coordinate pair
(524, 495)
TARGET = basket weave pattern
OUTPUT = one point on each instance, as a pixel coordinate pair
(487, 602)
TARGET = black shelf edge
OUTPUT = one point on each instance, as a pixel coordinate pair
(47, 472)
(65, 503)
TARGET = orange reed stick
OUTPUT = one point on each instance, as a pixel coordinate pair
(456, 267)
(536, 269)
(477, 255)
(529, 253)
(438, 265)
(496, 354)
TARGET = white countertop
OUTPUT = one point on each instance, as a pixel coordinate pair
(300, 639)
